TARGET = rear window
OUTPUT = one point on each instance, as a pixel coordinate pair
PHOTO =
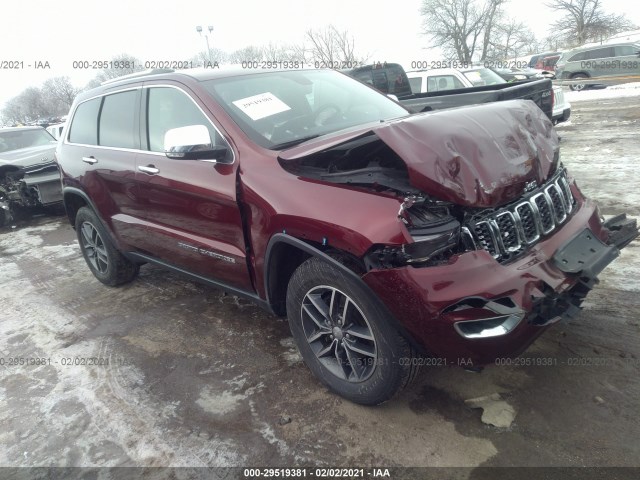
(387, 79)
(626, 50)
(483, 76)
(84, 128)
(443, 82)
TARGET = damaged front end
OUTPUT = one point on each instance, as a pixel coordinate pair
(27, 188)
(500, 241)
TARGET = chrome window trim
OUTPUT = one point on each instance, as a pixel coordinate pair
(72, 117)
(148, 152)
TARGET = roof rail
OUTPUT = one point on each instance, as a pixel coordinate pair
(143, 73)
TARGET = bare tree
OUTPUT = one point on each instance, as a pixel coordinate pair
(331, 46)
(14, 112)
(584, 20)
(122, 64)
(491, 16)
(60, 92)
(282, 53)
(462, 28)
(250, 53)
(28, 106)
(215, 55)
(510, 39)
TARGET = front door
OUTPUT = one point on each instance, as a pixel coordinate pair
(191, 212)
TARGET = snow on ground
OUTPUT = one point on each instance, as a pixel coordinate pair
(614, 91)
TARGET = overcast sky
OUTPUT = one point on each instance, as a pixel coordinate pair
(70, 30)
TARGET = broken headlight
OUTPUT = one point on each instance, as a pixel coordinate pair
(431, 241)
(435, 232)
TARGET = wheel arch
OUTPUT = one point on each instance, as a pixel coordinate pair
(285, 254)
(74, 199)
(586, 74)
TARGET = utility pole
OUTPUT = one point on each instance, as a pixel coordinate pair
(206, 37)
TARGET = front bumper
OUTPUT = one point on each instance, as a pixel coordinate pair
(44, 181)
(437, 306)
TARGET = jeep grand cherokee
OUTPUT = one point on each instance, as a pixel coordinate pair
(382, 236)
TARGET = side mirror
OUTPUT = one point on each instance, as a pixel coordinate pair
(392, 97)
(192, 143)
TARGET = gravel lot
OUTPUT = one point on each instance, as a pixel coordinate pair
(197, 378)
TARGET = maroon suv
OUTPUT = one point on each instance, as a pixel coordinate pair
(382, 236)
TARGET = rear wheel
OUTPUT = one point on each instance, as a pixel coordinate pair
(344, 337)
(578, 87)
(105, 262)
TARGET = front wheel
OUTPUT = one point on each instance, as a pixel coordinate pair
(344, 336)
(105, 262)
(578, 87)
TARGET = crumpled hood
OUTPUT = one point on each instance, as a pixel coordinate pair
(480, 156)
(26, 157)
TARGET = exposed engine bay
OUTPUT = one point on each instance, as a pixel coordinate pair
(441, 228)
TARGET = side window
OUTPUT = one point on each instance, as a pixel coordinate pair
(171, 108)
(416, 84)
(625, 50)
(577, 57)
(599, 53)
(117, 120)
(84, 126)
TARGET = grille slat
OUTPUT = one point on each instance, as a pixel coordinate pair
(506, 232)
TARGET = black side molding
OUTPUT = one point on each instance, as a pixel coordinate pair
(251, 296)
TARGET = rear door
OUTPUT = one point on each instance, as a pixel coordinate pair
(102, 145)
(628, 59)
(191, 211)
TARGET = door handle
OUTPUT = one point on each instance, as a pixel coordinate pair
(90, 160)
(150, 169)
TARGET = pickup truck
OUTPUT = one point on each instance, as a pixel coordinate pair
(383, 236)
(390, 78)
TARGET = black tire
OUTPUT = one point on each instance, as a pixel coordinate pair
(578, 87)
(105, 262)
(361, 357)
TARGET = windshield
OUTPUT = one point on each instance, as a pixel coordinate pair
(17, 139)
(483, 76)
(280, 109)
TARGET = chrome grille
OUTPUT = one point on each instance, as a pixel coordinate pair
(506, 232)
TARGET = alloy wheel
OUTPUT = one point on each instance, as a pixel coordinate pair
(339, 334)
(94, 247)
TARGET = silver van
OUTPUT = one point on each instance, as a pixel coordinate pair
(614, 60)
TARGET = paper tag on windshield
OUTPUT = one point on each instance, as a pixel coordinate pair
(261, 106)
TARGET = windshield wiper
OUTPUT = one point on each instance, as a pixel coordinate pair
(292, 143)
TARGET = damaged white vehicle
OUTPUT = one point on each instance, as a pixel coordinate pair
(29, 175)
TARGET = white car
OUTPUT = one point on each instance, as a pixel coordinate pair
(561, 107)
(438, 80)
(56, 130)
